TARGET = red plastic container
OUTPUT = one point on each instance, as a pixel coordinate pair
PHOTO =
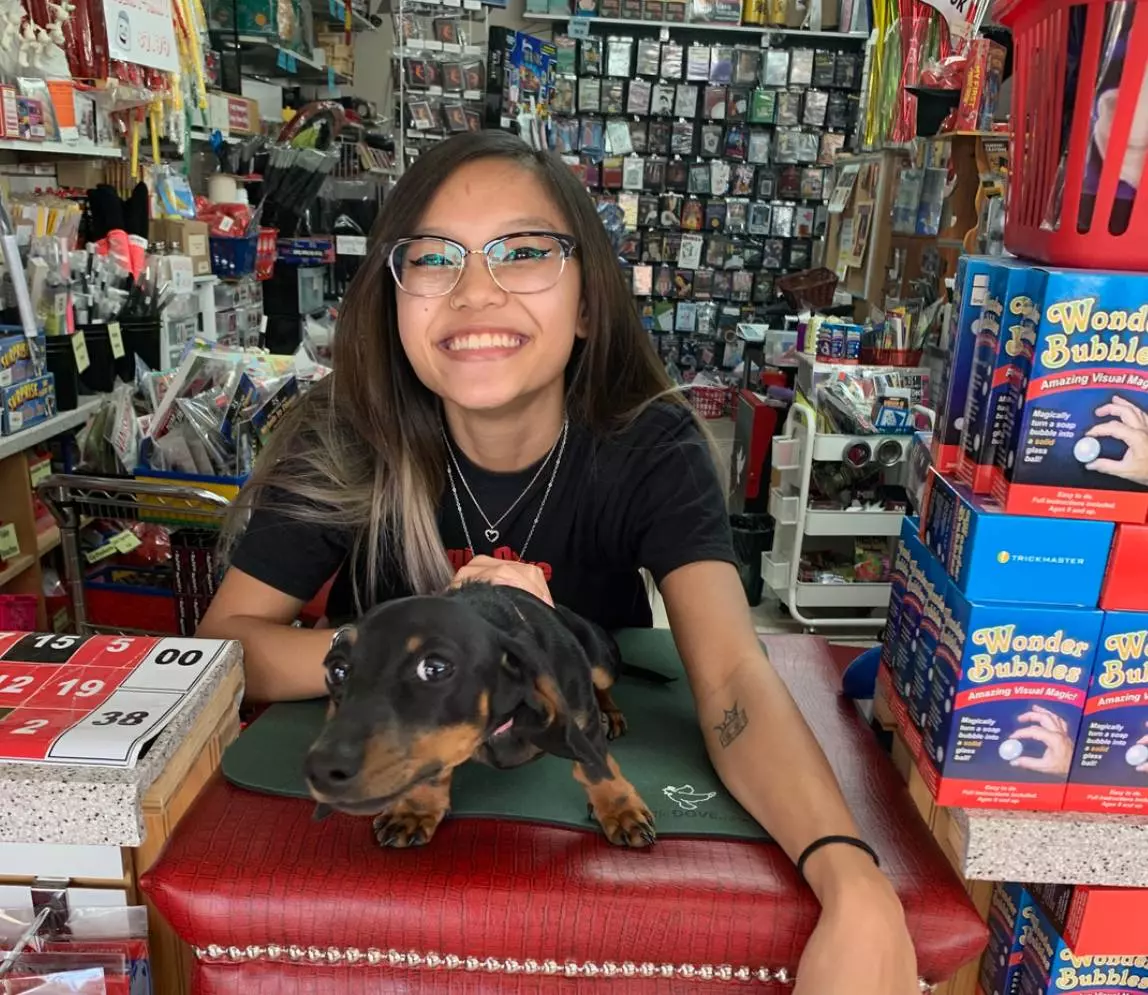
(1096, 229)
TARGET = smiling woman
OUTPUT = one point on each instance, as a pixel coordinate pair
(498, 414)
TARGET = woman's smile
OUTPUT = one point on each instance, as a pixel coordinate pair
(482, 343)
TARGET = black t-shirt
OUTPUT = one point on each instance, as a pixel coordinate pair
(647, 496)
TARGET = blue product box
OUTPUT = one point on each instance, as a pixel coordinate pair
(1049, 967)
(16, 361)
(984, 458)
(992, 556)
(1110, 768)
(1010, 922)
(26, 404)
(1084, 425)
(970, 289)
(898, 578)
(987, 339)
(1007, 697)
(909, 617)
(928, 637)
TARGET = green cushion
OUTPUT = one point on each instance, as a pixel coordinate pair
(662, 754)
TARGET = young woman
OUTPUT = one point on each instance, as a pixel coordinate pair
(494, 396)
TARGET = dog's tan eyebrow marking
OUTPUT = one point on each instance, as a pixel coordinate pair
(414, 643)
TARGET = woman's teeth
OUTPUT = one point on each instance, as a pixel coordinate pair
(485, 340)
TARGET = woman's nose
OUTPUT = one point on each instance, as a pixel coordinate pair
(476, 287)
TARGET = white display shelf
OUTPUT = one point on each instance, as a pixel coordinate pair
(786, 454)
(853, 523)
(12, 444)
(784, 508)
(751, 29)
(853, 595)
(84, 150)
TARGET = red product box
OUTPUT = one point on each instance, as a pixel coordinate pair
(1096, 921)
(982, 81)
(1124, 588)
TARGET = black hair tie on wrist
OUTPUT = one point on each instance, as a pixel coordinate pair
(817, 844)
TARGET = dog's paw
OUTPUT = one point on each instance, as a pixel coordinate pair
(625, 820)
(613, 723)
(402, 828)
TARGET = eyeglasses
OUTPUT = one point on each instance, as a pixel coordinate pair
(527, 262)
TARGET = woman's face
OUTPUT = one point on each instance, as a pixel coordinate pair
(479, 347)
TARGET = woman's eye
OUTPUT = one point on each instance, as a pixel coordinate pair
(433, 669)
(526, 255)
(431, 260)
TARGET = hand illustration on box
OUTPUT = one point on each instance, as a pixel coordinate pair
(1130, 426)
(1137, 755)
(1051, 730)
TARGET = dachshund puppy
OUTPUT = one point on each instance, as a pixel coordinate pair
(486, 673)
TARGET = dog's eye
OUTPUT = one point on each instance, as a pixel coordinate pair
(337, 674)
(433, 669)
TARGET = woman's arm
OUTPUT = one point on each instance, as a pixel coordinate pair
(281, 662)
(769, 760)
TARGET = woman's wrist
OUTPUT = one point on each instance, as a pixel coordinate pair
(842, 874)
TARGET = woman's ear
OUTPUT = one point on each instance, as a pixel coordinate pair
(582, 329)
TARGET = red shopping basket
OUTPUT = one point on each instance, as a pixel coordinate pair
(1100, 223)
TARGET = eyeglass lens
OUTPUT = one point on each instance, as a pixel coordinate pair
(519, 264)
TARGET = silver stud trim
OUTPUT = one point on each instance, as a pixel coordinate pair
(412, 959)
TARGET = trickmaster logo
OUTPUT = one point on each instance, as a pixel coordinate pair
(1002, 556)
(1077, 317)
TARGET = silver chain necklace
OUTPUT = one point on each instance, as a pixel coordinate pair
(492, 532)
(560, 446)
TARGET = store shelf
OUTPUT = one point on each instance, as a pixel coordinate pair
(12, 444)
(750, 29)
(335, 17)
(47, 540)
(15, 566)
(261, 57)
(1055, 847)
(84, 150)
(853, 523)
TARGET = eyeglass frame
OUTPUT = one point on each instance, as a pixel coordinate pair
(568, 244)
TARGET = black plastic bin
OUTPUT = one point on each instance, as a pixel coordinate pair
(100, 376)
(61, 363)
(141, 338)
(752, 536)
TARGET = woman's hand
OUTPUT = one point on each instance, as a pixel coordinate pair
(488, 570)
(861, 945)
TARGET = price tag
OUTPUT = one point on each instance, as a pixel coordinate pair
(351, 245)
(472, 4)
(281, 60)
(101, 552)
(126, 541)
(579, 27)
(664, 34)
(80, 349)
(40, 472)
(292, 64)
(452, 3)
(116, 339)
(9, 544)
(330, 78)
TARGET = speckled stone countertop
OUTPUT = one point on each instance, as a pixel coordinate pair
(1054, 847)
(102, 806)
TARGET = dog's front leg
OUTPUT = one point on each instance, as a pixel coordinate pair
(413, 819)
(616, 805)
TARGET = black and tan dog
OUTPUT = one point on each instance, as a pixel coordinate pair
(487, 673)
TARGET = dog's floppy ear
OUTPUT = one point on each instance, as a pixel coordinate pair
(543, 707)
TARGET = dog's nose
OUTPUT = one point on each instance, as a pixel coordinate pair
(332, 766)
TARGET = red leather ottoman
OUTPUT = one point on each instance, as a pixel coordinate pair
(275, 903)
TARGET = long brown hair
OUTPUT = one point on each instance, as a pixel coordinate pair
(364, 450)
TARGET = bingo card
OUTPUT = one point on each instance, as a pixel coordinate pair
(94, 700)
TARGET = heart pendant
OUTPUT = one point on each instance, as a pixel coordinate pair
(492, 535)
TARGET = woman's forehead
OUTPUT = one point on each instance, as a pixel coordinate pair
(490, 198)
